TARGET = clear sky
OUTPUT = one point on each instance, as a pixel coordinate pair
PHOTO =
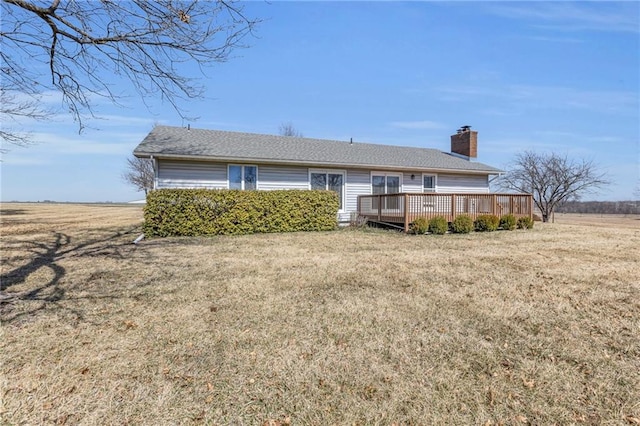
(545, 76)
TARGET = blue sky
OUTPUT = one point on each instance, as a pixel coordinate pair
(544, 76)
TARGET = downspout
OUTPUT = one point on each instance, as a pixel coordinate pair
(494, 178)
(154, 162)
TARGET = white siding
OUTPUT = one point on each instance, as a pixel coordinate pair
(358, 183)
(282, 177)
(182, 174)
(412, 186)
(195, 174)
(463, 183)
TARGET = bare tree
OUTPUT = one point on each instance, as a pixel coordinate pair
(12, 108)
(287, 129)
(140, 174)
(552, 179)
(75, 47)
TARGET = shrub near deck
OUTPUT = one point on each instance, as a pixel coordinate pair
(192, 212)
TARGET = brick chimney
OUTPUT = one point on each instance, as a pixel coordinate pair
(465, 143)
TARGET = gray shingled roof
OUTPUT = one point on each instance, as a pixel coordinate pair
(180, 143)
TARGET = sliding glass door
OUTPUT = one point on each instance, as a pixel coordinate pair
(386, 183)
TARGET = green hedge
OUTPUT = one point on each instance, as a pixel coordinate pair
(191, 212)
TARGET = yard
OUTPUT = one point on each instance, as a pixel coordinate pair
(344, 327)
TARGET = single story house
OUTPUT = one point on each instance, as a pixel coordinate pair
(199, 158)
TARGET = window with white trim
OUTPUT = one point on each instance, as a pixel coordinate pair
(386, 183)
(429, 183)
(328, 180)
(243, 177)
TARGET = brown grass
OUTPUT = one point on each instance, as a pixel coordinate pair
(346, 327)
(601, 220)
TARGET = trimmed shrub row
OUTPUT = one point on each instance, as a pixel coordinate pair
(193, 212)
(463, 224)
(437, 225)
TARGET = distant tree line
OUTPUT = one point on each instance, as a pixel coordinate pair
(602, 207)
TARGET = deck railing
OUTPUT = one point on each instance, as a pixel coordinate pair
(404, 208)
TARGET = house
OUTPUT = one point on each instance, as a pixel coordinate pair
(198, 158)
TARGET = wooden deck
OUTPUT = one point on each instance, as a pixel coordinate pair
(403, 208)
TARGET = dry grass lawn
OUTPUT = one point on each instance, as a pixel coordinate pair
(348, 327)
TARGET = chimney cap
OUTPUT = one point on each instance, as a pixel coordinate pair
(465, 128)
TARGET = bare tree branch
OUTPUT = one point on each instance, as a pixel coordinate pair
(287, 129)
(74, 47)
(552, 179)
(140, 174)
(13, 107)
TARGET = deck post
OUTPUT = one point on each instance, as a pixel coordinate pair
(379, 208)
(406, 213)
(453, 207)
(495, 205)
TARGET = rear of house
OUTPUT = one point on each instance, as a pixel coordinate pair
(197, 158)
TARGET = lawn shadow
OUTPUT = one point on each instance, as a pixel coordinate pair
(48, 255)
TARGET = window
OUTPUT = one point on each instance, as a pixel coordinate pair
(428, 183)
(243, 177)
(330, 180)
(386, 183)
